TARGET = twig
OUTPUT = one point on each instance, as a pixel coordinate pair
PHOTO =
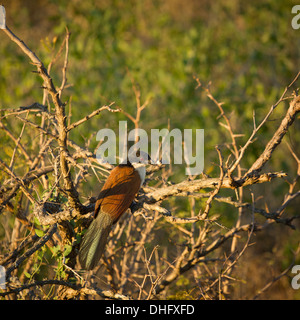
(64, 69)
(16, 141)
(139, 107)
(75, 290)
(204, 215)
(32, 250)
(277, 137)
(198, 184)
(73, 197)
(269, 284)
(94, 113)
(257, 128)
(197, 258)
(19, 182)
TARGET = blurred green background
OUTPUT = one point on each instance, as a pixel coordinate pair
(247, 49)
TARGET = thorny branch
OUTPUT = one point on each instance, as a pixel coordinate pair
(201, 240)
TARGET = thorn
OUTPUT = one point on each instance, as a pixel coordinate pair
(36, 63)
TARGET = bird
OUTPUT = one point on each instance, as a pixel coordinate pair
(116, 196)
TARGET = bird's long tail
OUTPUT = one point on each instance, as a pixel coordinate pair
(94, 241)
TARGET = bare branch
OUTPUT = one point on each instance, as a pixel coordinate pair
(94, 113)
(257, 128)
(211, 183)
(33, 249)
(277, 137)
(75, 290)
(73, 196)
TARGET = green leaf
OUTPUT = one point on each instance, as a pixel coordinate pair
(68, 249)
(55, 250)
(36, 221)
(39, 233)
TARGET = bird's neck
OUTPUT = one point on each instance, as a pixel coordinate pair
(141, 169)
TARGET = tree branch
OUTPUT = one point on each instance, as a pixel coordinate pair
(74, 291)
(73, 196)
(277, 137)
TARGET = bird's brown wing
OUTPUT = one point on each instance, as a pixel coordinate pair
(118, 192)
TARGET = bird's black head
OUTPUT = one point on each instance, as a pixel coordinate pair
(139, 156)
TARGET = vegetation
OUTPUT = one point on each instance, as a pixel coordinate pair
(219, 66)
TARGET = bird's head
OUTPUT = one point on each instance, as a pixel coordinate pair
(139, 157)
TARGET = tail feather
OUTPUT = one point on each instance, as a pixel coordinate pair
(94, 241)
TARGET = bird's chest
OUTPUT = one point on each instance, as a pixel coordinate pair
(142, 173)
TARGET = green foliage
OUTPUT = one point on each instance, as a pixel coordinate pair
(248, 51)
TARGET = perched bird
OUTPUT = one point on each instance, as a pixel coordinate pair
(115, 198)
